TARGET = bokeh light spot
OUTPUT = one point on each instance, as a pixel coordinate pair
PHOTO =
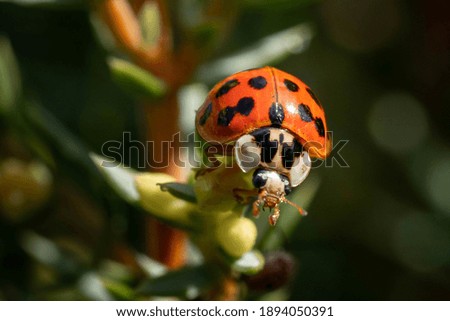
(420, 243)
(398, 123)
(362, 25)
(190, 98)
(437, 183)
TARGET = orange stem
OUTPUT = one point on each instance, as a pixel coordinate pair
(165, 244)
(121, 19)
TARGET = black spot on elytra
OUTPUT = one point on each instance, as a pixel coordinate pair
(257, 82)
(226, 87)
(289, 152)
(281, 138)
(319, 126)
(276, 114)
(243, 107)
(206, 115)
(313, 96)
(305, 113)
(268, 148)
(291, 85)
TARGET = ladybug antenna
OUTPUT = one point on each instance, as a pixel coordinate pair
(300, 210)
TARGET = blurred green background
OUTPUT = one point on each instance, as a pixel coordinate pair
(378, 229)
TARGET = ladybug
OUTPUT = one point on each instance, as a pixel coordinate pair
(275, 123)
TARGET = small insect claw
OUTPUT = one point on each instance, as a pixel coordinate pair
(256, 205)
(300, 210)
(273, 218)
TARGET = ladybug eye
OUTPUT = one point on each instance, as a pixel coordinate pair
(259, 179)
(287, 189)
(287, 185)
(247, 153)
(300, 169)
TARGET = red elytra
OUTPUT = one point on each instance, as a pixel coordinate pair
(264, 97)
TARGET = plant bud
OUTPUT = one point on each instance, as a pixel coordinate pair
(236, 235)
(160, 203)
(278, 271)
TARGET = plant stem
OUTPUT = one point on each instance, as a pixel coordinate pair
(164, 243)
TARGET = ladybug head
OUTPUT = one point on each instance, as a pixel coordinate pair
(273, 188)
(274, 183)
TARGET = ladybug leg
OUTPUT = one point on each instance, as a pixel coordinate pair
(273, 218)
(261, 200)
(256, 205)
(300, 210)
(244, 196)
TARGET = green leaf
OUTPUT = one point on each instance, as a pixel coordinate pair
(115, 271)
(187, 282)
(48, 253)
(119, 178)
(183, 191)
(206, 35)
(250, 263)
(151, 267)
(282, 294)
(102, 32)
(150, 22)
(55, 4)
(91, 286)
(119, 290)
(45, 125)
(277, 4)
(136, 80)
(266, 51)
(10, 83)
